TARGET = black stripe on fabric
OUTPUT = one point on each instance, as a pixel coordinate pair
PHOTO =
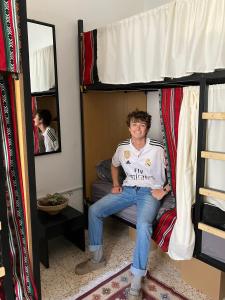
(126, 142)
(51, 136)
(156, 143)
(95, 69)
(123, 144)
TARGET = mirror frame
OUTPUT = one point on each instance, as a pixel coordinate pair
(56, 84)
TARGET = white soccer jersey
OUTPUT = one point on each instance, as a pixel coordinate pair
(144, 167)
(50, 140)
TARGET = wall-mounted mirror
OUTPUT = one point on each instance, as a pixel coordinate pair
(44, 87)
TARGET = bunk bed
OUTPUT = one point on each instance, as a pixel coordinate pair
(100, 97)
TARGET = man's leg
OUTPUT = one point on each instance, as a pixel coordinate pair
(108, 205)
(147, 209)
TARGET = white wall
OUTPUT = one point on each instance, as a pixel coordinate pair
(155, 131)
(149, 4)
(62, 171)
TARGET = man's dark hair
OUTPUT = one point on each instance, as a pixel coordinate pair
(45, 116)
(139, 115)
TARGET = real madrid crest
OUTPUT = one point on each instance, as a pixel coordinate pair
(148, 162)
(126, 154)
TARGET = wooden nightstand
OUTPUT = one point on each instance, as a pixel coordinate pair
(70, 223)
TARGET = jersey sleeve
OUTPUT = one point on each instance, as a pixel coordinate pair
(116, 158)
(53, 140)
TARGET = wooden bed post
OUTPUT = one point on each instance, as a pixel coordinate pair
(203, 106)
(80, 56)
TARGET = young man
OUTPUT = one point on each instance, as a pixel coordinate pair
(143, 163)
(42, 120)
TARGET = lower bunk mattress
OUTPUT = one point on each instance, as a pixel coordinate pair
(211, 245)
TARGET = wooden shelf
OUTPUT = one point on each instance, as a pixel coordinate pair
(211, 230)
(212, 193)
(213, 155)
(213, 116)
(2, 272)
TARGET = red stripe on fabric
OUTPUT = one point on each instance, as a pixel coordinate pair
(166, 116)
(166, 235)
(35, 129)
(178, 101)
(3, 62)
(13, 36)
(177, 95)
(88, 53)
(164, 219)
(160, 236)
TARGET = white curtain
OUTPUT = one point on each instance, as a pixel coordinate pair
(42, 72)
(182, 241)
(174, 40)
(215, 169)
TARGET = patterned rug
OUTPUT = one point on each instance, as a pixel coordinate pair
(116, 288)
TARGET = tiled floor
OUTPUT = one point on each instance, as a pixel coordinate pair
(60, 282)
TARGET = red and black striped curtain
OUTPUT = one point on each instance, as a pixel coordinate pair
(170, 105)
(89, 58)
(20, 263)
(20, 267)
(9, 36)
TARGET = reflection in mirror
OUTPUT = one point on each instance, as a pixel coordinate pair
(44, 88)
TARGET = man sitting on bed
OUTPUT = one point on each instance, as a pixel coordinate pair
(143, 162)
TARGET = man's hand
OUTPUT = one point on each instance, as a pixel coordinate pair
(158, 193)
(116, 190)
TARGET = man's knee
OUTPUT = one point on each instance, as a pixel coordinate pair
(93, 210)
(144, 227)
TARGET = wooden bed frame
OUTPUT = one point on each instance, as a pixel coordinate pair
(96, 95)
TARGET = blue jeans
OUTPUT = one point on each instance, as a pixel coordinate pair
(147, 208)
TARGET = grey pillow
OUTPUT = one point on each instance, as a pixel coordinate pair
(167, 203)
(103, 169)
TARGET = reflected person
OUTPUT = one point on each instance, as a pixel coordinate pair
(42, 120)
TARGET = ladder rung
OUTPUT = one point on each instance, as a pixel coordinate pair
(212, 230)
(213, 115)
(213, 155)
(2, 272)
(211, 193)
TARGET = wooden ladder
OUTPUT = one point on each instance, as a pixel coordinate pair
(201, 191)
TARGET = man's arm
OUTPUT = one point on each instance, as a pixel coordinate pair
(116, 188)
(160, 193)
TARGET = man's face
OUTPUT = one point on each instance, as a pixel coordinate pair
(138, 129)
(37, 120)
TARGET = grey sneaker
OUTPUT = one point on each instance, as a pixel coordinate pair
(134, 295)
(88, 266)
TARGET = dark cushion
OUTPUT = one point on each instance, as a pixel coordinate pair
(214, 216)
(103, 170)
